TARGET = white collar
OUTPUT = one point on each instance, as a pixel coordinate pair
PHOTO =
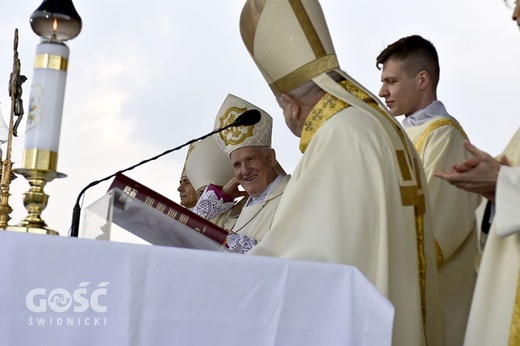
(433, 110)
(262, 196)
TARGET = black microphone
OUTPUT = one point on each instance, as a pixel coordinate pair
(248, 118)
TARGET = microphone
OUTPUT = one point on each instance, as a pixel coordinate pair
(248, 118)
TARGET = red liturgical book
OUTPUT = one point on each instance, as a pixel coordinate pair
(132, 189)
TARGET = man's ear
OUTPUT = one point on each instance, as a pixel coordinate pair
(293, 106)
(424, 80)
(272, 157)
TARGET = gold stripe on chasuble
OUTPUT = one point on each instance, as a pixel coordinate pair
(419, 143)
(420, 209)
(438, 254)
(420, 206)
(54, 62)
(419, 226)
(409, 193)
(514, 333)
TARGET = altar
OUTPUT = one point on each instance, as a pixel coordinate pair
(72, 291)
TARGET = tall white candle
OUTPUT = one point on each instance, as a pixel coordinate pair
(46, 99)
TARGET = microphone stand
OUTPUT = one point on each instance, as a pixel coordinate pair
(239, 121)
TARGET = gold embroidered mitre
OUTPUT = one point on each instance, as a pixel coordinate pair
(274, 30)
(207, 164)
(257, 135)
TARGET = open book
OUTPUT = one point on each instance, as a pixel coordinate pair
(159, 220)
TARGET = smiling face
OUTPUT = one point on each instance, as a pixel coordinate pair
(402, 92)
(187, 193)
(254, 168)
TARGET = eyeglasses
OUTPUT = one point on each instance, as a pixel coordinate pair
(510, 3)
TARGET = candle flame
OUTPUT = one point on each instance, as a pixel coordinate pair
(55, 24)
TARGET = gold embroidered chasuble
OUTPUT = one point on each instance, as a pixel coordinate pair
(439, 143)
(344, 205)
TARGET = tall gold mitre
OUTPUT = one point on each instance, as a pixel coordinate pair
(290, 43)
(277, 29)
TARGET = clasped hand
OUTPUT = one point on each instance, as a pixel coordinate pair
(477, 174)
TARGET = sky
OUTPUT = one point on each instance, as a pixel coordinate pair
(145, 77)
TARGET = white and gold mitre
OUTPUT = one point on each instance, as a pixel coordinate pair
(207, 164)
(257, 135)
(289, 41)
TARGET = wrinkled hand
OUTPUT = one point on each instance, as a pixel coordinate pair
(231, 189)
(477, 174)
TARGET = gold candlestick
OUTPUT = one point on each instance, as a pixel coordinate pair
(39, 169)
(55, 21)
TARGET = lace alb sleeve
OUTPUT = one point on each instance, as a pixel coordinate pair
(240, 243)
(210, 205)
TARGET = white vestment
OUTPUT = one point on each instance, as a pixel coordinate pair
(343, 205)
(253, 221)
(492, 320)
(439, 142)
(228, 218)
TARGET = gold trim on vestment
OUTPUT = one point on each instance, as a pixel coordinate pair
(325, 109)
(49, 61)
(420, 206)
(304, 74)
(401, 158)
(419, 226)
(419, 143)
(420, 209)
(514, 334)
(439, 256)
(357, 96)
(411, 195)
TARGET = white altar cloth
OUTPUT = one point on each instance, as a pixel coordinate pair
(68, 291)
